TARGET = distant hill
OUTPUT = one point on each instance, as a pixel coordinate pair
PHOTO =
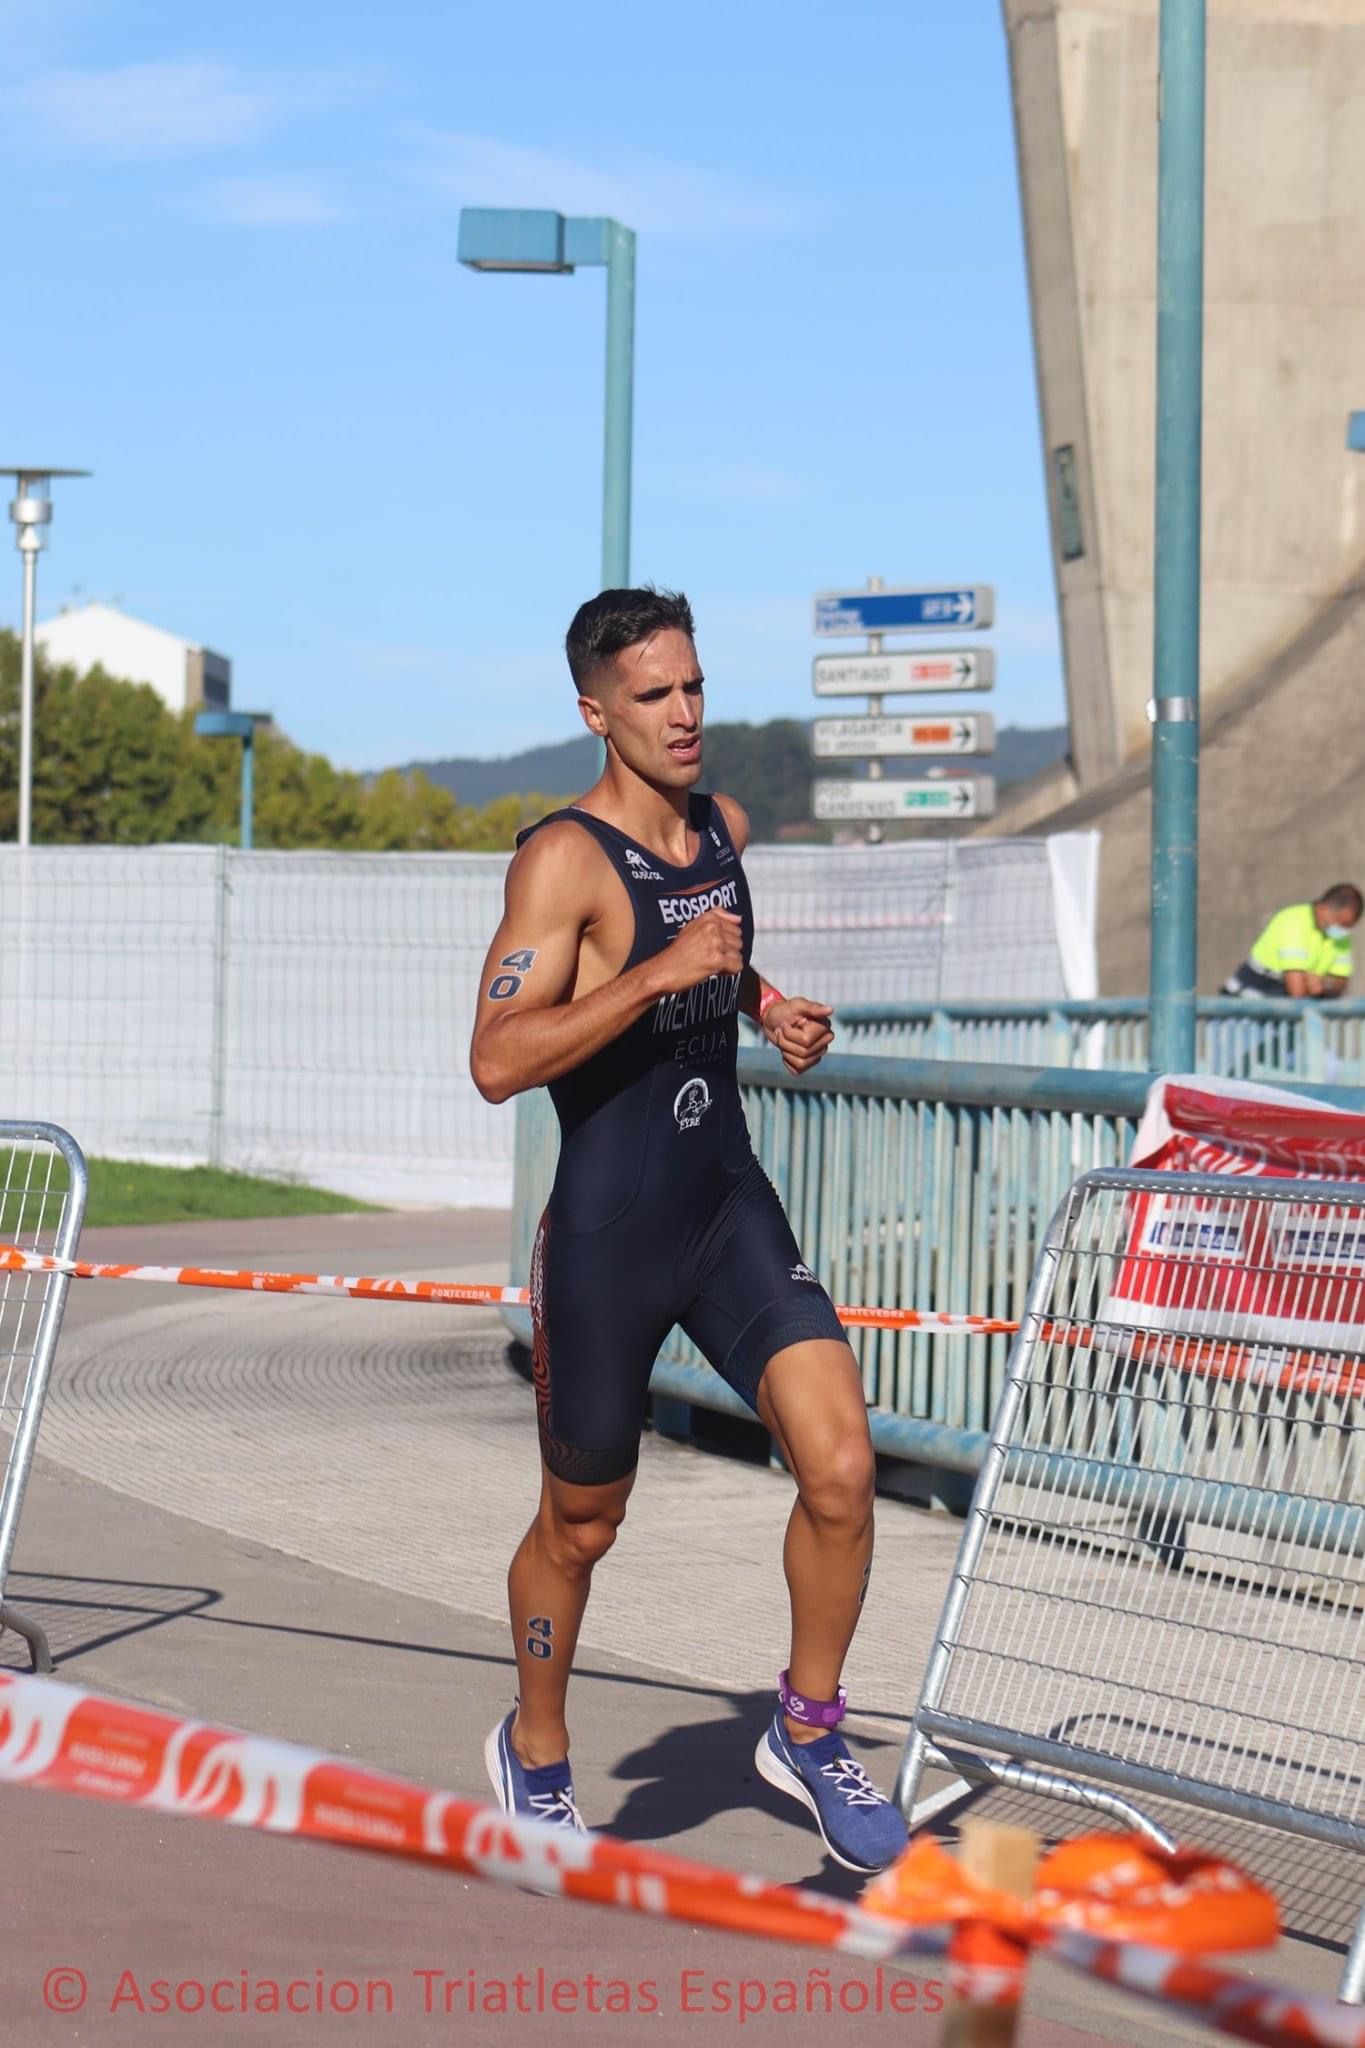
(768, 767)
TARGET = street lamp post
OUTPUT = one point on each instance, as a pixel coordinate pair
(237, 725)
(31, 511)
(533, 240)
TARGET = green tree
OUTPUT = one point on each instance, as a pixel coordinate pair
(113, 766)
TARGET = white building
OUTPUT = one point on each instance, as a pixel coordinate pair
(186, 677)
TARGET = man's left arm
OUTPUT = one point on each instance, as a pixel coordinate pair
(799, 1027)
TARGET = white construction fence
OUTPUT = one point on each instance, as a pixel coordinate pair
(308, 1014)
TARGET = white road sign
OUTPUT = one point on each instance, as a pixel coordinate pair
(966, 796)
(891, 675)
(850, 739)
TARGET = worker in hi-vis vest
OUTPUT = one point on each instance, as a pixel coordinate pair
(1305, 950)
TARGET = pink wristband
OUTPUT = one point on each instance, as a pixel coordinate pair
(766, 1001)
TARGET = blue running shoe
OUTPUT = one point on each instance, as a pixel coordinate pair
(861, 1830)
(545, 1793)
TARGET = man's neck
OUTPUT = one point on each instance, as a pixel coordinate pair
(656, 817)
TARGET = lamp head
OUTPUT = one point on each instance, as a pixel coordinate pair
(31, 505)
(512, 238)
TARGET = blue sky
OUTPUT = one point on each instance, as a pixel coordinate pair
(372, 477)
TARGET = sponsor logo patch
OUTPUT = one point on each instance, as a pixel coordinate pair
(682, 909)
(803, 1272)
(691, 1103)
(640, 869)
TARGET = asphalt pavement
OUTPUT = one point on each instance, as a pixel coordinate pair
(294, 1515)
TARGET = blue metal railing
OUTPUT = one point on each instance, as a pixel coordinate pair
(1263, 1040)
(909, 1183)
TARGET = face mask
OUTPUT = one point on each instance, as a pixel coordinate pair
(1337, 931)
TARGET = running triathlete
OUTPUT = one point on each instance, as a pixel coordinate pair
(616, 976)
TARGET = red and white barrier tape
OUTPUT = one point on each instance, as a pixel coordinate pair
(445, 1293)
(1291, 1372)
(55, 1736)
(1275, 2014)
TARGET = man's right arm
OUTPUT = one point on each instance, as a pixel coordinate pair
(529, 1028)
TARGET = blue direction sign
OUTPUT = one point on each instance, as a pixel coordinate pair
(904, 611)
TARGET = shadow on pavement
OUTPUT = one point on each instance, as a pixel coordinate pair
(692, 1773)
(82, 1614)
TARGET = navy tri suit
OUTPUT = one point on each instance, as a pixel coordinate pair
(660, 1213)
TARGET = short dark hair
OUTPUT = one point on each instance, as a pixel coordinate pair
(1344, 896)
(617, 619)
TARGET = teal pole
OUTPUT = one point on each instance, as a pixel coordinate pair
(620, 406)
(248, 788)
(1179, 424)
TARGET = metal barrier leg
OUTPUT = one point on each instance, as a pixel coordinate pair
(1352, 1991)
(1021, 1777)
(39, 1653)
(917, 1754)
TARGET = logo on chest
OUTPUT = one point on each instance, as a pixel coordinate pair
(676, 910)
(691, 1103)
(639, 867)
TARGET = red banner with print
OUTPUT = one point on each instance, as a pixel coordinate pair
(1222, 1267)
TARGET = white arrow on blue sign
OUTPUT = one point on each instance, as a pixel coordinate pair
(905, 611)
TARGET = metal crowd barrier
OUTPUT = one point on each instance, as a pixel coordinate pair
(1160, 1590)
(43, 1187)
(1244, 1039)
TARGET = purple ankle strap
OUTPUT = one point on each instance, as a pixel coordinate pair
(811, 1713)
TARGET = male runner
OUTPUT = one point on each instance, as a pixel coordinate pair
(616, 976)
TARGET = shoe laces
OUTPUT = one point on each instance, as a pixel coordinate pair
(851, 1782)
(558, 1809)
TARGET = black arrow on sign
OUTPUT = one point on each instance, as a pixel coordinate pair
(964, 668)
(962, 796)
(962, 732)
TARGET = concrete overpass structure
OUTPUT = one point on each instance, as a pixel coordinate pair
(1283, 638)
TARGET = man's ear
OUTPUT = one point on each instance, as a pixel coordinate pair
(591, 713)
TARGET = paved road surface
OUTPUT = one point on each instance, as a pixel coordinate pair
(294, 1515)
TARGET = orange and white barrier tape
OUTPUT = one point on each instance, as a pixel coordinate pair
(1113, 1907)
(1277, 2015)
(57, 1737)
(446, 1293)
(1292, 1372)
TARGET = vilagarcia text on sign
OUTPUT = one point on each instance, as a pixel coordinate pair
(849, 739)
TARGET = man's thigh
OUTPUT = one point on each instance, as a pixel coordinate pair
(756, 1296)
(596, 1332)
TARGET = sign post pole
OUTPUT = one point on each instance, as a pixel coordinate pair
(874, 710)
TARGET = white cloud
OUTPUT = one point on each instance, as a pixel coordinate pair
(745, 483)
(647, 192)
(148, 110)
(268, 202)
(166, 108)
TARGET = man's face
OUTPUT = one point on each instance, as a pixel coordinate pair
(1339, 914)
(648, 703)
